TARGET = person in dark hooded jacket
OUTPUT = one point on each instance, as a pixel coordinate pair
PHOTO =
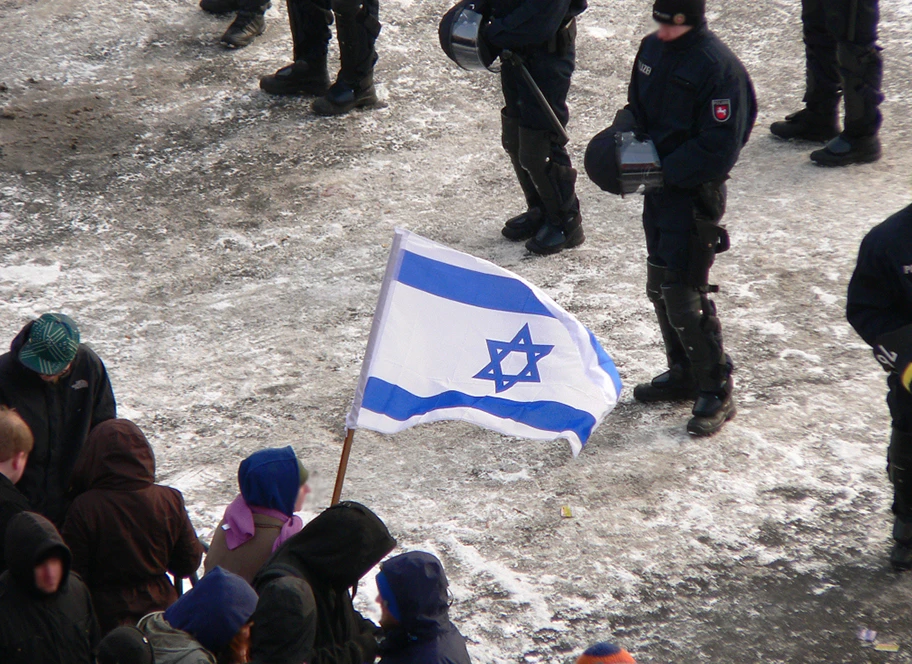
(125, 531)
(331, 554)
(284, 623)
(46, 609)
(415, 620)
(60, 388)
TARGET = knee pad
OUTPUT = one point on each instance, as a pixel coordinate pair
(655, 277)
(684, 306)
(535, 150)
(899, 458)
(509, 134)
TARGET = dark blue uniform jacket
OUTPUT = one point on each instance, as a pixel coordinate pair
(879, 306)
(695, 100)
(425, 634)
(880, 292)
(519, 23)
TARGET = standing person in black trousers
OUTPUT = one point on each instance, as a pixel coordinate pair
(879, 307)
(843, 59)
(357, 27)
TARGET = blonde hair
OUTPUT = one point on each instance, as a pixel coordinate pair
(15, 435)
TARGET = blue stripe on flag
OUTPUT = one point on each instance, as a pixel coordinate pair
(399, 404)
(606, 363)
(489, 291)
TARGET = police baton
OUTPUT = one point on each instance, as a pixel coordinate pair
(517, 61)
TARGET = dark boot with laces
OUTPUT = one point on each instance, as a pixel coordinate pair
(246, 27)
(343, 97)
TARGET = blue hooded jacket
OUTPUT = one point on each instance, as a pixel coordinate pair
(214, 610)
(425, 634)
(270, 478)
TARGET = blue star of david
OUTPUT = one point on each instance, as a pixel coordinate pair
(500, 350)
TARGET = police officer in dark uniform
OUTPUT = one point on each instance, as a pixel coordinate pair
(842, 57)
(879, 307)
(693, 99)
(357, 27)
(543, 34)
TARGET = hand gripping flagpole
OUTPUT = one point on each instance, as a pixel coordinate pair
(343, 465)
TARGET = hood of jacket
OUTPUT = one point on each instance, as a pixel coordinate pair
(270, 478)
(20, 339)
(419, 585)
(30, 540)
(116, 456)
(284, 623)
(337, 548)
(214, 610)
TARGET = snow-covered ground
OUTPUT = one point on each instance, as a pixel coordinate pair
(222, 251)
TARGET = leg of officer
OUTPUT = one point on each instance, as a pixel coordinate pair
(525, 225)
(542, 153)
(854, 23)
(310, 34)
(817, 121)
(357, 28)
(899, 469)
(690, 310)
(676, 384)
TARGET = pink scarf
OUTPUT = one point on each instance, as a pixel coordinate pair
(239, 526)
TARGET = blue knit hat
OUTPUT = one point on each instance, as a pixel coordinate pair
(52, 344)
(271, 478)
(214, 610)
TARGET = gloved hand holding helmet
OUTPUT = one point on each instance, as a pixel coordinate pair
(620, 159)
(461, 36)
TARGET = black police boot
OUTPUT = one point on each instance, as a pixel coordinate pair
(807, 125)
(693, 316)
(676, 384)
(301, 78)
(563, 225)
(342, 97)
(844, 150)
(551, 238)
(246, 27)
(712, 410)
(901, 554)
(220, 6)
(523, 226)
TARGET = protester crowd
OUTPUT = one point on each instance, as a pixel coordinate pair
(105, 586)
(94, 552)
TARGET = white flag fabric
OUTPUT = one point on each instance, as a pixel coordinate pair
(455, 337)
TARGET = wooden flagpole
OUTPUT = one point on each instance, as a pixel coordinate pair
(343, 465)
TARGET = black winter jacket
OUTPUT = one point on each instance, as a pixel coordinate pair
(11, 503)
(879, 303)
(60, 416)
(35, 627)
(425, 634)
(693, 97)
(331, 554)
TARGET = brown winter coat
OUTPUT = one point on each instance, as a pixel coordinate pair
(248, 558)
(125, 531)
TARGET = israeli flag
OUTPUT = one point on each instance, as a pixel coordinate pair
(455, 337)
